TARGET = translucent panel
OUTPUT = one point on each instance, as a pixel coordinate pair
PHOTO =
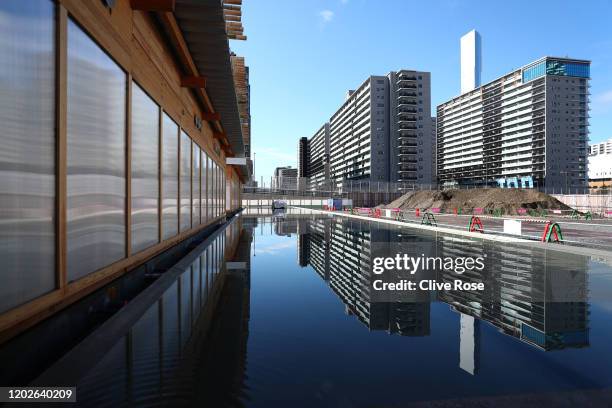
(208, 189)
(185, 189)
(96, 156)
(216, 188)
(170, 177)
(195, 185)
(27, 155)
(203, 185)
(145, 170)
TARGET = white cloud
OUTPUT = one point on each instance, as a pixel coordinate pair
(326, 16)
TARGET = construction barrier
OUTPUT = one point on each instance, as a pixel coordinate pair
(475, 225)
(435, 210)
(417, 213)
(429, 219)
(377, 213)
(478, 211)
(552, 230)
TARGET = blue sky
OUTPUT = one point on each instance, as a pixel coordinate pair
(305, 54)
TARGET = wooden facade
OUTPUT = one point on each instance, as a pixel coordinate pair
(149, 48)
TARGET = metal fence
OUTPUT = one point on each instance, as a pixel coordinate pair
(305, 187)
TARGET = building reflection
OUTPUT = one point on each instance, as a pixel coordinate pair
(340, 251)
(536, 296)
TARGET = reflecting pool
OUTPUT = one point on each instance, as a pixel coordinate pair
(278, 310)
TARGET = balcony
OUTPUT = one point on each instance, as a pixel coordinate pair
(406, 77)
(406, 151)
(407, 94)
(406, 110)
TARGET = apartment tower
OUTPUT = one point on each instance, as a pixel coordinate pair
(530, 124)
(381, 133)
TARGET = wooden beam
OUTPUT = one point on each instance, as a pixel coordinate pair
(61, 112)
(219, 135)
(160, 175)
(230, 12)
(128, 169)
(168, 21)
(211, 116)
(153, 5)
(193, 81)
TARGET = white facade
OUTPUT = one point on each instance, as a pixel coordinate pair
(471, 61)
(601, 148)
(600, 161)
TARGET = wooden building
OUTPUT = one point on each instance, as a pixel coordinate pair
(118, 118)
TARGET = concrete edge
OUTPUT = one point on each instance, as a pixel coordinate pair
(585, 251)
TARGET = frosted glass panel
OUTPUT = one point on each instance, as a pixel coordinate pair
(145, 170)
(195, 185)
(185, 182)
(203, 185)
(215, 192)
(208, 189)
(27, 155)
(170, 177)
(96, 156)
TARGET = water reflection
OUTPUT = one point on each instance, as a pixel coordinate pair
(288, 342)
(158, 359)
(536, 296)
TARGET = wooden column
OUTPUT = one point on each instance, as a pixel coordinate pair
(160, 171)
(128, 168)
(61, 95)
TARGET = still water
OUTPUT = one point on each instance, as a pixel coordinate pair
(295, 327)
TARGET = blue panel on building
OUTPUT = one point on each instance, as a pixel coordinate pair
(556, 67)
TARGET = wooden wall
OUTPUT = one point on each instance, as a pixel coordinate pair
(133, 40)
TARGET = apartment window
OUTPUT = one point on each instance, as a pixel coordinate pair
(145, 170)
(27, 156)
(185, 179)
(96, 156)
(170, 140)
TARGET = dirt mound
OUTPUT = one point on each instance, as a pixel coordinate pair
(488, 198)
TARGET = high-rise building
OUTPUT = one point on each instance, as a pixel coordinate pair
(285, 178)
(600, 164)
(313, 157)
(471, 61)
(382, 132)
(531, 123)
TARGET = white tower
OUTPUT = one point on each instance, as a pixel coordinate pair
(471, 61)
